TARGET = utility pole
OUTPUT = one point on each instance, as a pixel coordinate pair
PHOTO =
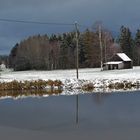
(77, 72)
(77, 50)
(101, 47)
(105, 45)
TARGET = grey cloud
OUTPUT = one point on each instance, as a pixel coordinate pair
(113, 13)
(35, 4)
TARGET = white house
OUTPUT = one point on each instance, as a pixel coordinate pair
(119, 61)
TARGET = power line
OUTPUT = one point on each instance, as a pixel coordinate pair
(39, 22)
(36, 22)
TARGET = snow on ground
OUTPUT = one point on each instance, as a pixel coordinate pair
(68, 77)
(86, 74)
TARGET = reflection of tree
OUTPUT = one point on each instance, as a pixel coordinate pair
(23, 93)
(98, 98)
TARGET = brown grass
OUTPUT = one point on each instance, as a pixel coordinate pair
(88, 87)
(29, 85)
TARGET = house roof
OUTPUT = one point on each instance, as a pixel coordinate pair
(114, 62)
(124, 57)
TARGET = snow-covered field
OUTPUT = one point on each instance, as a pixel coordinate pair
(100, 79)
(86, 74)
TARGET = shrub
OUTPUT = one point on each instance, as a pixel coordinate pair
(88, 87)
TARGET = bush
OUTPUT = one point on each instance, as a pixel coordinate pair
(88, 87)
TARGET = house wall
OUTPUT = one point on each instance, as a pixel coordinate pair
(128, 64)
(113, 66)
(121, 66)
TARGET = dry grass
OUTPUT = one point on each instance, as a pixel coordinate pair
(88, 87)
(124, 85)
(29, 85)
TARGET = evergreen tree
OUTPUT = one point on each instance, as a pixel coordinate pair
(126, 41)
(67, 51)
(91, 49)
(81, 52)
(137, 48)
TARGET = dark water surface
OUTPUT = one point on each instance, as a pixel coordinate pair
(93, 116)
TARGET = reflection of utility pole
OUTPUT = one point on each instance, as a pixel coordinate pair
(101, 46)
(77, 109)
(77, 52)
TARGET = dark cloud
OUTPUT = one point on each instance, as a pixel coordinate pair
(113, 14)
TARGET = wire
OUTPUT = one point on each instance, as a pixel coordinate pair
(35, 22)
(38, 22)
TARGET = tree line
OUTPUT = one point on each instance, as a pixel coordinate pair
(43, 52)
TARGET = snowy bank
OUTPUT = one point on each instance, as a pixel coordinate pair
(89, 79)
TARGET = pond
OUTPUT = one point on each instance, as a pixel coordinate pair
(95, 116)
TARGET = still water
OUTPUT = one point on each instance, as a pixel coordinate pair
(94, 116)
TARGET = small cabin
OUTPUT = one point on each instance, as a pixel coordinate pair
(119, 61)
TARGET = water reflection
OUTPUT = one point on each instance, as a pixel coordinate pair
(96, 98)
(25, 93)
(99, 98)
(77, 109)
(100, 93)
(100, 116)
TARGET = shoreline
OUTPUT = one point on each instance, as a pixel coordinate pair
(63, 82)
(42, 88)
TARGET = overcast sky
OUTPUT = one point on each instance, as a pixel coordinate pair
(113, 14)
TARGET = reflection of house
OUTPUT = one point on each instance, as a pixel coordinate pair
(119, 61)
